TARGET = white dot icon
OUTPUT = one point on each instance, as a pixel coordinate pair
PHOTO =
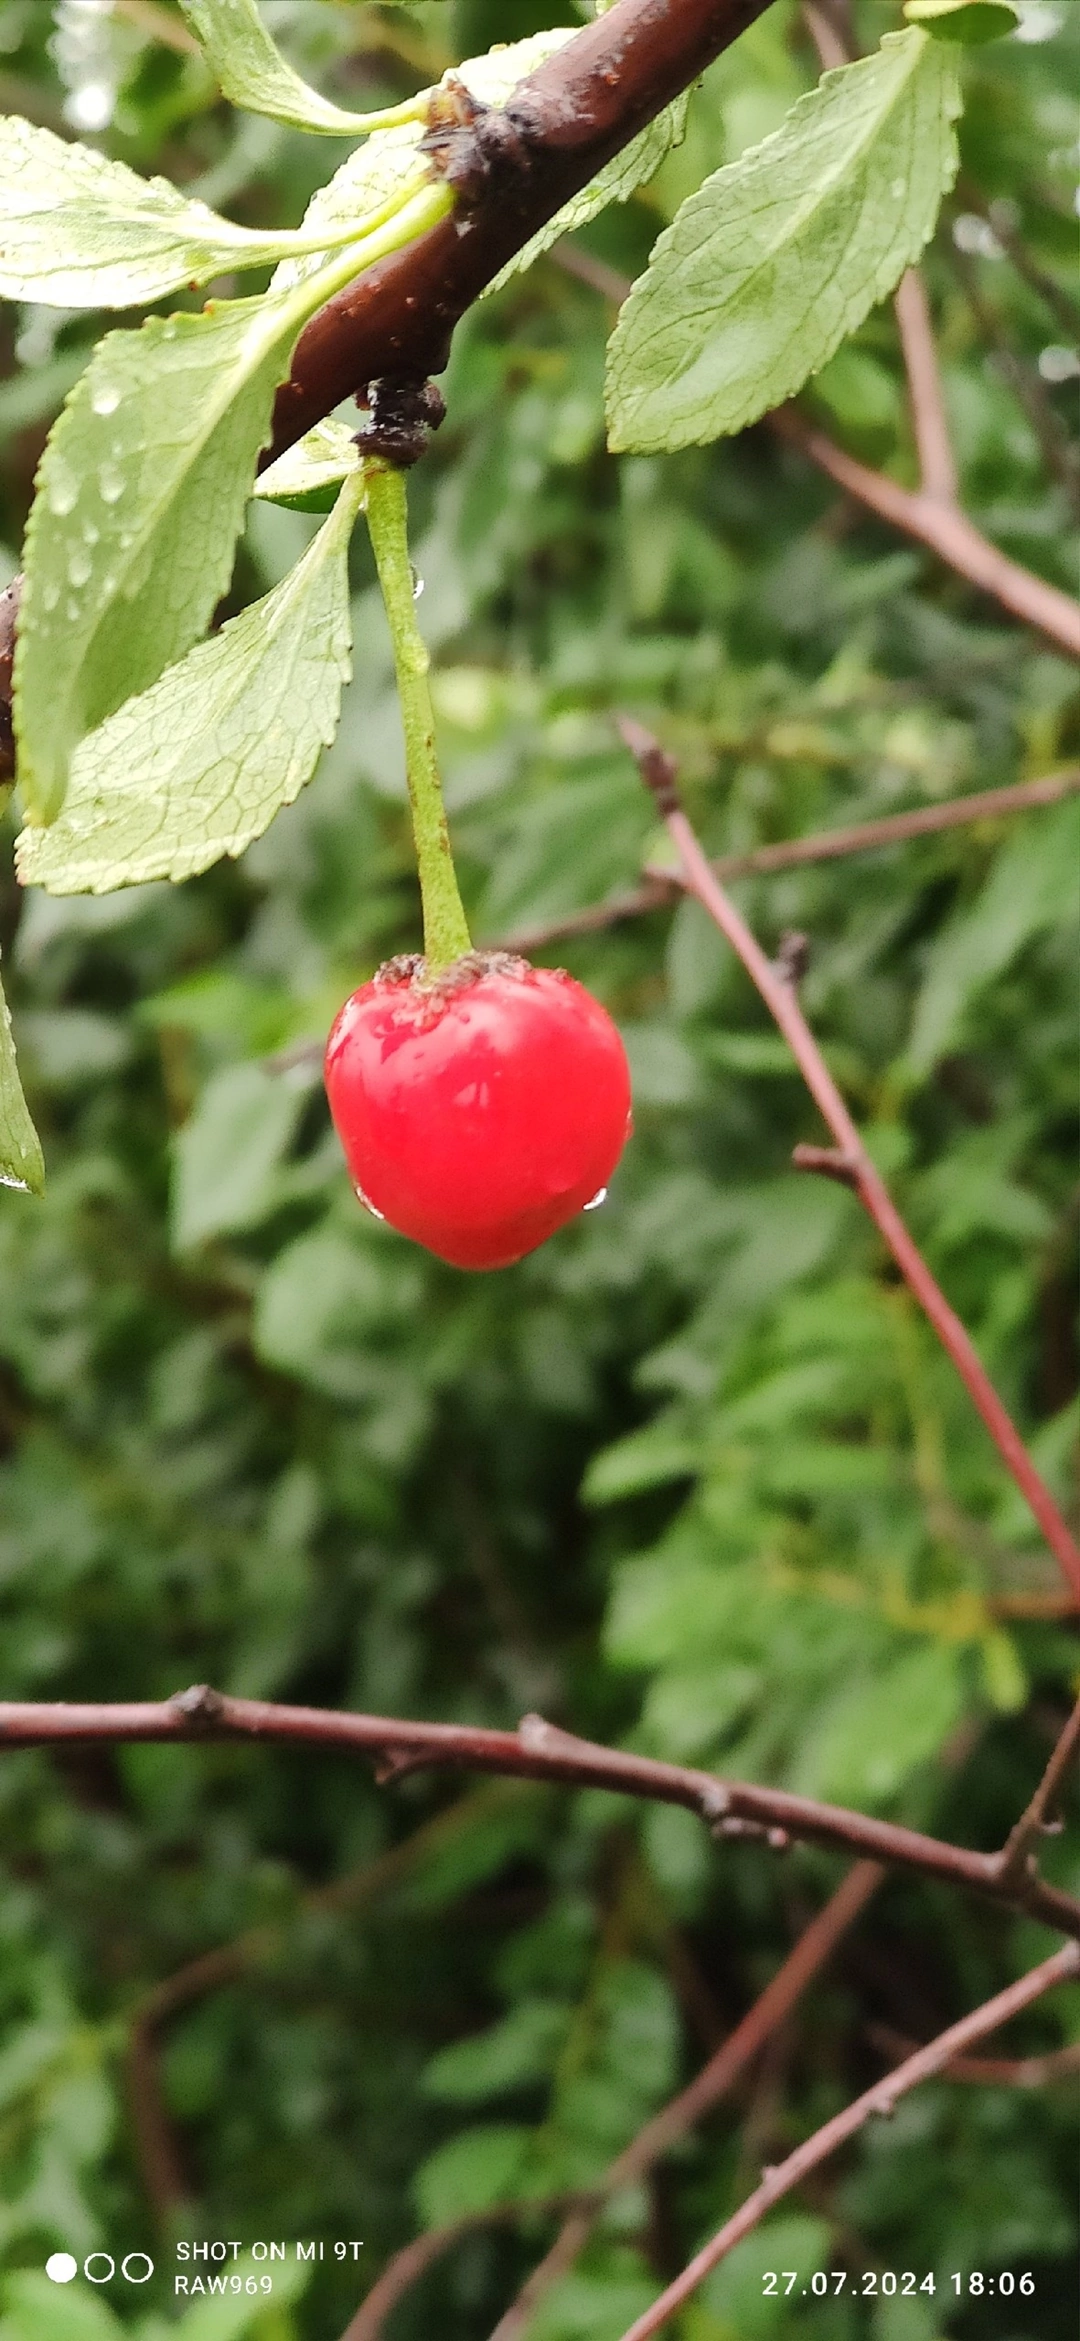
(61, 2267)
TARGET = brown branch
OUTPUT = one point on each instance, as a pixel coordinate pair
(537, 1751)
(156, 2149)
(937, 463)
(1038, 2072)
(1016, 1855)
(949, 534)
(814, 1947)
(992, 804)
(414, 2259)
(942, 527)
(850, 1161)
(879, 2100)
(560, 127)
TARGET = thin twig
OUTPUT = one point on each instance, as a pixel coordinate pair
(937, 463)
(408, 2265)
(943, 528)
(814, 1947)
(536, 1751)
(850, 1161)
(1038, 2072)
(992, 804)
(1016, 1854)
(879, 2100)
(949, 534)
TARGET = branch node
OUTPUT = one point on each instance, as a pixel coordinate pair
(793, 958)
(537, 1735)
(778, 1839)
(658, 770)
(476, 148)
(199, 1705)
(832, 1162)
(404, 409)
(715, 1803)
(393, 1762)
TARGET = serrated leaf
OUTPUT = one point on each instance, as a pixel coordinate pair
(968, 21)
(253, 73)
(21, 1163)
(199, 764)
(779, 256)
(306, 478)
(141, 494)
(80, 231)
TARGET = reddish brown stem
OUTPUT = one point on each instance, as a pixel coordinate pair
(539, 1751)
(945, 531)
(937, 464)
(563, 123)
(881, 2099)
(853, 1163)
(814, 1947)
(1016, 1854)
(992, 804)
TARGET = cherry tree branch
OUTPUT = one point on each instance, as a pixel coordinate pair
(560, 127)
(1038, 2072)
(815, 1946)
(848, 1160)
(937, 463)
(537, 1751)
(929, 519)
(1016, 1855)
(943, 530)
(825, 845)
(881, 2099)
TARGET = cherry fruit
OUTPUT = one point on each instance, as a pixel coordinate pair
(480, 1111)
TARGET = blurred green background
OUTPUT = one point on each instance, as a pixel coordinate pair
(693, 1478)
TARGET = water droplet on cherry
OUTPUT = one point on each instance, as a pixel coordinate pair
(599, 1197)
(368, 1205)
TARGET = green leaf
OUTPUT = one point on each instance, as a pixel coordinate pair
(736, 2293)
(779, 256)
(228, 1152)
(253, 73)
(472, 2172)
(968, 21)
(141, 494)
(874, 1733)
(21, 1162)
(1031, 887)
(81, 231)
(308, 475)
(199, 764)
(519, 2050)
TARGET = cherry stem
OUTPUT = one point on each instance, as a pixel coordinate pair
(446, 933)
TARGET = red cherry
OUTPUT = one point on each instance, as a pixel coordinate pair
(480, 1112)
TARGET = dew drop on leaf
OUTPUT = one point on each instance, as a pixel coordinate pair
(110, 483)
(105, 399)
(79, 568)
(62, 493)
(50, 594)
